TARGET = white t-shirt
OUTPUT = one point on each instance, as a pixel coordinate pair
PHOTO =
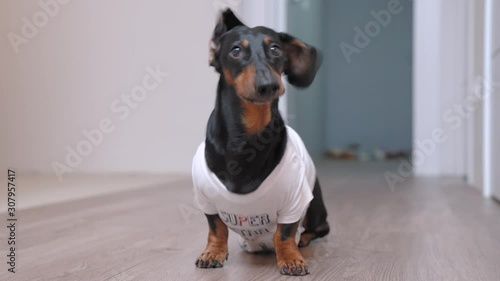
(283, 197)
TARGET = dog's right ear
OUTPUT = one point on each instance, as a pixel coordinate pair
(227, 21)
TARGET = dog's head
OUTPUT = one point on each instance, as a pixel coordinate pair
(251, 60)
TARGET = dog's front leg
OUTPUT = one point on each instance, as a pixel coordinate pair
(216, 251)
(290, 261)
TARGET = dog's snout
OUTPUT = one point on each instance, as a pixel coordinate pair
(267, 89)
(266, 80)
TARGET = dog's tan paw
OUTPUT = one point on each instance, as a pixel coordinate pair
(296, 266)
(212, 259)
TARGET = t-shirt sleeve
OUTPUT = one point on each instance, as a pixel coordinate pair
(295, 204)
(201, 200)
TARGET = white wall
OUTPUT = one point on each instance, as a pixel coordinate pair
(66, 77)
(440, 83)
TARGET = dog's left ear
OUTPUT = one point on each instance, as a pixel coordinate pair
(226, 21)
(302, 61)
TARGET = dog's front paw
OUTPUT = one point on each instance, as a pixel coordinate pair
(294, 265)
(212, 259)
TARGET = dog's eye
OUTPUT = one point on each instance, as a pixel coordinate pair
(236, 52)
(275, 51)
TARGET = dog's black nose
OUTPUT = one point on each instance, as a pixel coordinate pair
(267, 89)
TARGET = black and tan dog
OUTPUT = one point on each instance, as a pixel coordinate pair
(247, 138)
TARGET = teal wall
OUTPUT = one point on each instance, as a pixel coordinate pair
(306, 108)
(369, 100)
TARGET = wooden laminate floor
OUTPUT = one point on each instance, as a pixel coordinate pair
(426, 229)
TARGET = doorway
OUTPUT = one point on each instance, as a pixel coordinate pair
(361, 102)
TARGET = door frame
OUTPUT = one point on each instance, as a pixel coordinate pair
(438, 77)
(272, 14)
(472, 140)
(488, 132)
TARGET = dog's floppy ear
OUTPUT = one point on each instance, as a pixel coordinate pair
(226, 21)
(302, 61)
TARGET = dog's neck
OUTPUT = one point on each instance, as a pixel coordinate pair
(244, 141)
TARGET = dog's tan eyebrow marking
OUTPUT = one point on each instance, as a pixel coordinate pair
(267, 40)
(245, 43)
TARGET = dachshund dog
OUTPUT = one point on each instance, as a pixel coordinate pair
(253, 174)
